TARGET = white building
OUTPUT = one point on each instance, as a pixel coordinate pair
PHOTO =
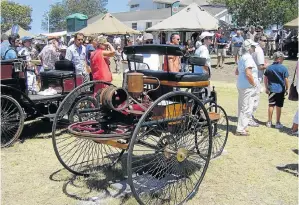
(146, 13)
(138, 5)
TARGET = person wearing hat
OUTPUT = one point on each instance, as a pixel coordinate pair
(152, 60)
(32, 72)
(203, 52)
(9, 47)
(277, 86)
(247, 84)
(100, 64)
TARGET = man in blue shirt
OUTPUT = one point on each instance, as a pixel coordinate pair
(237, 42)
(277, 85)
(8, 48)
(221, 50)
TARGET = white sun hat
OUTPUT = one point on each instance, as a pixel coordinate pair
(205, 34)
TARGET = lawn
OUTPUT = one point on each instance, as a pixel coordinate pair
(245, 174)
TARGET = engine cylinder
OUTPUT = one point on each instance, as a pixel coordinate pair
(114, 98)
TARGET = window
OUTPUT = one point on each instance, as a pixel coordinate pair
(167, 5)
(148, 24)
(134, 26)
(134, 6)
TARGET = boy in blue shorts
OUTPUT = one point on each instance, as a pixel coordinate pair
(277, 85)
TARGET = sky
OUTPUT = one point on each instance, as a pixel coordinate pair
(39, 7)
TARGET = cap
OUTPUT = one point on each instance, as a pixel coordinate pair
(248, 43)
(278, 54)
(148, 36)
(205, 34)
(26, 38)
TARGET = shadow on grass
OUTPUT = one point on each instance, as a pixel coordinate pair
(94, 187)
(111, 182)
(36, 129)
(232, 127)
(289, 168)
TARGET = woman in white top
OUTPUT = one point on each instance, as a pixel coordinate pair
(247, 82)
(203, 52)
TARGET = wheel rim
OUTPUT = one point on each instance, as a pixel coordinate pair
(80, 156)
(12, 120)
(219, 130)
(170, 160)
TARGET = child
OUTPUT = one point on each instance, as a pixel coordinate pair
(277, 85)
(32, 72)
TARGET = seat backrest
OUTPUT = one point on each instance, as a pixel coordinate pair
(64, 65)
(194, 60)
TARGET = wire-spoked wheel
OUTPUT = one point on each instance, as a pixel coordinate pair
(169, 154)
(80, 155)
(219, 122)
(12, 120)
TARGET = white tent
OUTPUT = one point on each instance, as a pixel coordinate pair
(55, 34)
(191, 18)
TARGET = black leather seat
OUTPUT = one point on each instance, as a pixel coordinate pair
(176, 77)
(57, 74)
(63, 69)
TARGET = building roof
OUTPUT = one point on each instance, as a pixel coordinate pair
(157, 14)
(183, 2)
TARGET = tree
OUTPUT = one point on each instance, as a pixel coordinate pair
(57, 21)
(59, 11)
(14, 13)
(261, 12)
(90, 8)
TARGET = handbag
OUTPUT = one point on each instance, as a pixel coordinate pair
(293, 95)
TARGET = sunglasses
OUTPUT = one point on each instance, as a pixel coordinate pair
(178, 39)
(78, 39)
(264, 40)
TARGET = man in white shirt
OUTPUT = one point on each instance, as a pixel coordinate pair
(203, 52)
(117, 41)
(77, 54)
(259, 59)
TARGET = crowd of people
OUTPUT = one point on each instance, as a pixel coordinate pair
(91, 58)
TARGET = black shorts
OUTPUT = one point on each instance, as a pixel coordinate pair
(276, 99)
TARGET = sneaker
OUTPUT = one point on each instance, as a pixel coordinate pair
(295, 133)
(253, 124)
(278, 125)
(269, 124)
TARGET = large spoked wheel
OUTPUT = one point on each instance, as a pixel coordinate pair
(169, 153)
(12, 120)
(81, 155)
(219, 121)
